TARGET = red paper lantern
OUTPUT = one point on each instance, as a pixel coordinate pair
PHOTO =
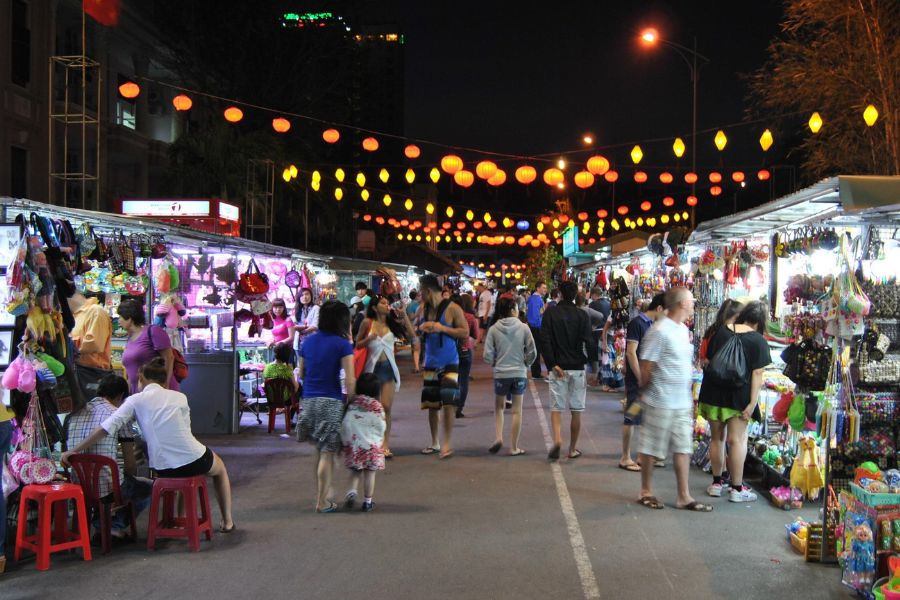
(645, 205)
(526, 174)
(715, 190)
(763, 175)
(668, 201)
(129, 90)
(535, 243)
(553, 176)
(546, 220)
(666, 177)
(611, 176)
(451, 164)
(715, 177)
(464, 178)
(622, 210)
(477, 224)
(584, 179)
(460, 225)
(640, 177)
(331, 135)
(737, 176)
(233, 114)
(597, 165)
(281, 125)
(583, 216)
(446, 225)
(370, 144)
(412, 151)
(692, 200)
(182, 102)
(690, 178)
(367, 218)
(492, 224)
(379, 220)
(602, 213)
(485, 169)
(563, 218)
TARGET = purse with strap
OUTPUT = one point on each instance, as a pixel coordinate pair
(180, 368)
(361, 355)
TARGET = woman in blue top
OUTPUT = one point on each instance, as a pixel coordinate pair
(323, 355)
(444, 324)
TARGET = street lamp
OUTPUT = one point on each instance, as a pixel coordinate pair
(650, 37)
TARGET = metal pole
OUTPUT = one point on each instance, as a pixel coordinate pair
(306, 220)
(695, 73)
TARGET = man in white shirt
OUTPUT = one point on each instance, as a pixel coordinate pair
(668, 415)
(485, 309)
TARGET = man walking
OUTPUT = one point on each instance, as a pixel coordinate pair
(485, 304)
(535, 309)
(444, 324)
(637, 328)
(565, 336)
(667, 419)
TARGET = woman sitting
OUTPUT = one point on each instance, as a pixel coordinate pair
(165, 420)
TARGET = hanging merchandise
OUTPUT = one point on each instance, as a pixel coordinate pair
(167, 278)
(31, 463)
(806, 472)
(845, 304)
(808, 364)
(252, 283)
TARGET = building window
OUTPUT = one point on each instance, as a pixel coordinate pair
(18, 172)
(125, 114)
(20, 44)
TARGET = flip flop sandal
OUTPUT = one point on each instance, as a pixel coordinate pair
(554, 453)
(574, 455)
(519, 452)
(229, 530)
(633, 467)
(495, 448)
(447, 455)
(430, 450)
(651, 502)
(697, 507)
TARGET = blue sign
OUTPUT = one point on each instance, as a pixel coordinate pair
(570, 241)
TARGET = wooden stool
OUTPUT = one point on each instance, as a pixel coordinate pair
(53, 505)
(191, 525)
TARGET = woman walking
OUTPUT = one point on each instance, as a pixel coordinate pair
(510, 349)
(466, 349)
(724, 404)
(145, 342)
(378, 333)
(323, 355)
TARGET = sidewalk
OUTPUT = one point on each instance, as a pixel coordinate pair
(474, 526)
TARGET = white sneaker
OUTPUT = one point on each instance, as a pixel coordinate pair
(714, 490)
(745, 495)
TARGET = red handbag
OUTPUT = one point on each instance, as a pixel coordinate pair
(360, 356)
(253, 281)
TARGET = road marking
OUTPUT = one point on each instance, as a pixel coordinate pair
(582, 560)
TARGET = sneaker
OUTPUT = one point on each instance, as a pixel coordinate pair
(714, 490)
(368, 506)
(349, 500)
(744, 495)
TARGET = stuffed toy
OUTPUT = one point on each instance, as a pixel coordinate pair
(169, 311)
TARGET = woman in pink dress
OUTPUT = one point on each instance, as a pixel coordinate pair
(284, 327)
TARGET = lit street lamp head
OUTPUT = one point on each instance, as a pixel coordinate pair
(649, 36)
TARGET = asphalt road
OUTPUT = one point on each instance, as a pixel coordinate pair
(474, 526)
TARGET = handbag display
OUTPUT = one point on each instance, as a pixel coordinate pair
(253, 281)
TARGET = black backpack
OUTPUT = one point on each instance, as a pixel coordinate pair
(728, 367)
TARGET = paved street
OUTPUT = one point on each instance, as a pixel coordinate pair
(475, 526)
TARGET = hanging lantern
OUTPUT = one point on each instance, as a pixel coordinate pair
(685, 215)
(668, 201)
(477, 224)
(331, 136)
(545, 220)
(597, 165)
(737, 176)
(387, 200)
(666, 177)
(470, 215)
(429, 208)
(383, 175)
(367, 218)
(316, 176)
(622, 210)
(364, 194)
(715, 190)
(338, 194)
(815, 122)
(182, 103)
(339, 174)
(293, 170)
(676, 217)
(487, 218)
(360, 179)
(584, 179)
(412, 151)
(555, 223)
(602, 213)
(651, 222)
(611, 176)
(646, 206)
(451, 164)
(281, 125)
(233, 114)
(765, 140)
(464, 178)
(678, 147)
(449, 212)
(690, 178)
(664, 219)
(636, 154)
(461, 225)
(492, 224)
(507, 222)
(715, 177)
(315, 185)
(370, 144)
(640, 221)
(583, 216)
(498, 178)
(485, 169)
(434, 174)
(540, 226)
(564, 218)
(870, 115)
(525, 174)
(410, 176)
(614, 224)
(720, 140)
(522, 225)
(640, 177)
(553, 176)
(692, 200)
(129, 90)
(286, 174)
(763, 175)
(408, 204)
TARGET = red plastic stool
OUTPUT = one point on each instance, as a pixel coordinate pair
(189, 526)
(53, 504)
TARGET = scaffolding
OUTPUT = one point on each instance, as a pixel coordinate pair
(259, 212)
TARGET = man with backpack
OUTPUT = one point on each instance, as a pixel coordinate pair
(443, 327)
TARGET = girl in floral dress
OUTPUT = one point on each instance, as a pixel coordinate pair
(362, 433)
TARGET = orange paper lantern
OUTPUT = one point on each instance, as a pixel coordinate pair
(611, 176)
(451, 164)
(498, 178)
(597, 165)
(485, 169)
(737, 176)
(715, 190)
(233, 114)
(182, 102)
(370, 144)
(367, 218)
(645, 205)
(525, 174)
(583, 216)
(331, 135)
(129, 90)
(545, 220)
(763, 175)
(602, 213)
(666, 177)
(690, 178)
(584, 179)
(464, 178)
(412, 151)
(640, 177)
(281, 125)
(668, 201)
(715, 177)
(553, 176)
(622, 210)
(692, 200)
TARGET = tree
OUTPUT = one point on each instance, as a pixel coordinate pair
(539, 267)
(836, 57)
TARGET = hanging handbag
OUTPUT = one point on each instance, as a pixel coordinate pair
(261, 307)
(253, 281)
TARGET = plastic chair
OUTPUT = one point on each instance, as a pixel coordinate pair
(89, 468)
(191, 525)
(279, 392)
(53, 505)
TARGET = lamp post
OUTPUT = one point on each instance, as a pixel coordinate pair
(650, 37)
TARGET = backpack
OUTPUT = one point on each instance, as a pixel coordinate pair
(728, 367)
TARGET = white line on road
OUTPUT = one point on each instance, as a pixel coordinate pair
(582, 560)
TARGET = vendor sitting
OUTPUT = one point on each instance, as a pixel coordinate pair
(165, 420)
(281, 369)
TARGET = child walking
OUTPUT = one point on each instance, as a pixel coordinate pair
(362, 432)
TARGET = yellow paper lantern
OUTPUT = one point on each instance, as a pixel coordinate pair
(614, 224)
(338, 194)
(555, 223)
(286, 175)
(408, 204)
(434, 174)
(870, 115)
(485, 169)
(720, 140)
(678, 147)
(383, 175)
(765, 140)
(293, 170)
(815, 122)
(360, 179)
(364, 194)
(316, 176)
(540, 226)
(449, 212)
(339, 174)
(387, 200)
(315, 185)
(487, 217)
(664, 219)
(410, 176)
(470, 215)
(429, 208)
(636, 154)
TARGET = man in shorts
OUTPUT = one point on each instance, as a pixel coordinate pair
(667, 419)
(567, 345)
(485, 306)
(651, 310)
